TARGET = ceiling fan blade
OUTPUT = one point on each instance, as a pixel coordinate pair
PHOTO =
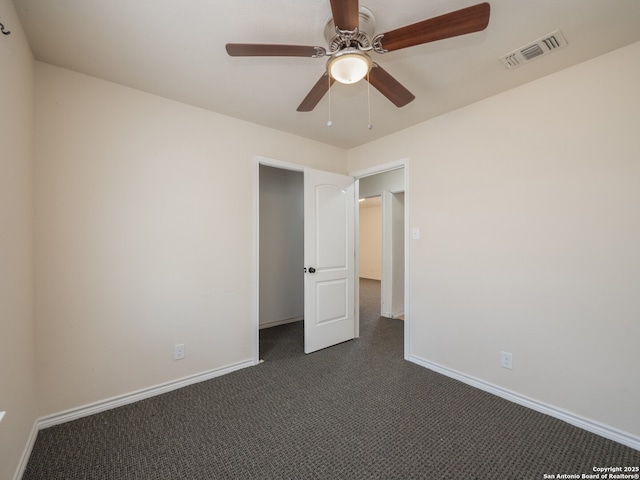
(460, 22)
(317, 92)
(271, 50)
(389, 86)
(345, 14)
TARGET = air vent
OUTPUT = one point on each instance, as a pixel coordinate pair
(543, 46)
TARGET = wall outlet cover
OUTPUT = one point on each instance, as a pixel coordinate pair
(178, 351)
(506, 360)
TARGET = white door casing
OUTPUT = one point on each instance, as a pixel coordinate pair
(392, 285)
(329, 252)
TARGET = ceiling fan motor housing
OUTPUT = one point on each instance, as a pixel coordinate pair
(363, 36)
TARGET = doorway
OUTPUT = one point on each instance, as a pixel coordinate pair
(306, 253)
(382, 237)
(281, 246)
(288, 264)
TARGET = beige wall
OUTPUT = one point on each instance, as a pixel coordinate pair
(17, 392)
(370, 235)
(144, 236)
(528, 208)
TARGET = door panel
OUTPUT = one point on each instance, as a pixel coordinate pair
(329, 250)
(331, 224)
(331, 301)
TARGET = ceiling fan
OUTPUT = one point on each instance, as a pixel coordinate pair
(349, 36)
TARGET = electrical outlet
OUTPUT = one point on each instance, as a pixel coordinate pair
(506, 360)
(178, 351)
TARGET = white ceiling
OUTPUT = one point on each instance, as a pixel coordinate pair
(175, 49)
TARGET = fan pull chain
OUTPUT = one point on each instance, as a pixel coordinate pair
(369, 126)
(329, 122)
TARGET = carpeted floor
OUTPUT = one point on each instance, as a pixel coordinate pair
(353, 411)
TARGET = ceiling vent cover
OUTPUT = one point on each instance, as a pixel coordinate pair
(542, 46)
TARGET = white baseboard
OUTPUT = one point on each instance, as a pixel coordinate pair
(27, 452)
(576, 420)
(128, 398)
(275, 323)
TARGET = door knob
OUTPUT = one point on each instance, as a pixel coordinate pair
(312, 270)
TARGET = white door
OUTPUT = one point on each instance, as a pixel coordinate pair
(329, 253)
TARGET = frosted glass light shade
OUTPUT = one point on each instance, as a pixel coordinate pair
(349, 66)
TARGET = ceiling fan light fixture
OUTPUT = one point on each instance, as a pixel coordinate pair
(349, 65)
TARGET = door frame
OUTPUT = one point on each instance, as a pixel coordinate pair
(255, 301)
(389, 259)
(385, 167)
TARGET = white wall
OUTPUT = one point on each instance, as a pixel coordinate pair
(144, 236)
(370, 245)
(17, 374)
(281, 246)
(528, 205)
(374, 185)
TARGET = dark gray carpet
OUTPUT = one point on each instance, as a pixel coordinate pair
(353, 411)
